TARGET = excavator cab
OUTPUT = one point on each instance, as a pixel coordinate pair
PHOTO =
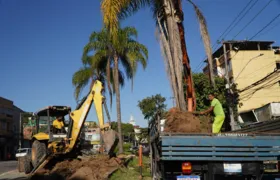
(46, 128)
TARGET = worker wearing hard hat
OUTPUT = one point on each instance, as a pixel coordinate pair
(58, 125)
(217, 108)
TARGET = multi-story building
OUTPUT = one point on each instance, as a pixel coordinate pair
(91, 132)
(255, 67)
(9, 128)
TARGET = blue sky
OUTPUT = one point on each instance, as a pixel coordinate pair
(41, 44)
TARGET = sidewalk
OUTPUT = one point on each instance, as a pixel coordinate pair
(13, 175)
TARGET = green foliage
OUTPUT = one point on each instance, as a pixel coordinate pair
(92, 124)
(103, 65)
(151, 105)
(90, 72)
(127, 129)
(126, 147)
(203, 88)
(28, 119)
(128, 51)
(132, 170)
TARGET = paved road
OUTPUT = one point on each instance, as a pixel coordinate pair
(6, 166)
(8, 171)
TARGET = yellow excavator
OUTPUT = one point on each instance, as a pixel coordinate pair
(47, 145)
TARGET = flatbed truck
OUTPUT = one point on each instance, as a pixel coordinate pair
(183, 156)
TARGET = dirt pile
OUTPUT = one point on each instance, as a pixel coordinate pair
(93, 168)
(185, 122)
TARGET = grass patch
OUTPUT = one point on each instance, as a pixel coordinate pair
(126, 147)
(132, 170)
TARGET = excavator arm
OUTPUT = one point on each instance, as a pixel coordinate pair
(79, 116)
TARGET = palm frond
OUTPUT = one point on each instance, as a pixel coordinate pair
(135, 57)
(81, 79)
(94, 45)
(111, 10)
(133, 45)
(86, 60)
(130, 31)
(133, 6)
(205, 36)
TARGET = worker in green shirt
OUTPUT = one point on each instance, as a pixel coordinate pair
(217, 108)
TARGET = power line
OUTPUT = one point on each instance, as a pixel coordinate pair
(249, 95)
(228, 28)
(270, 82)
(277, 24)
(235, 19)
(256, 71)
(253, 19)
(259, 81)
(265, 26)
(243, 16)
(199, 66)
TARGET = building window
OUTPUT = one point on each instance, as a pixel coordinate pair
(3, 125)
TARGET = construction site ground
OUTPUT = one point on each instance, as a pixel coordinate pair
(88, 168)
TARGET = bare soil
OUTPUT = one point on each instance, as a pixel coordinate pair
(93, 168)
(185, 122)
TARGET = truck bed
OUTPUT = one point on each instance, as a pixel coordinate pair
(221, 147)
(271, 126)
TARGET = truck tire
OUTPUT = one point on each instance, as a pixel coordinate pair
(39, 150)
(27, 165)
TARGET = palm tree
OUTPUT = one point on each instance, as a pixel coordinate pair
(124, 50)
(169, 17)
(90, 72)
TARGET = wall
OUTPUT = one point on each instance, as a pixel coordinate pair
(6, 124)
(9, 128)
(247, 68)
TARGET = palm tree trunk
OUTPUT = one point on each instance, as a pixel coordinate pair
(118, 102)
(165, 48)
(176, 52)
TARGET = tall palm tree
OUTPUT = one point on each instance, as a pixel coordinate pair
(90, 72)
(169, 18)
(124, 50)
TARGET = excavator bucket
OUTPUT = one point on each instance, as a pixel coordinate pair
(110, 141)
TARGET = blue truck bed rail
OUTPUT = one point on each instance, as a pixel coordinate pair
(231, 147)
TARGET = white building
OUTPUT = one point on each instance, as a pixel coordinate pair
(132, 121)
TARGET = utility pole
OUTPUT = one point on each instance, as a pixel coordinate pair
(20, 131)
(232, 122)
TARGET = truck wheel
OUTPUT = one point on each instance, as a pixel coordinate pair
(39, 150)
(27, 165)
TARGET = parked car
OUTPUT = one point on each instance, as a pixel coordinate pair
(23, 152)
